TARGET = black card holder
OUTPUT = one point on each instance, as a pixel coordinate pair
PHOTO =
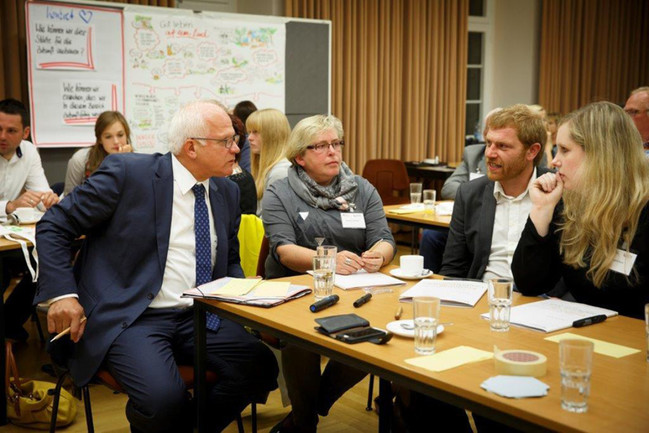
(332, 324)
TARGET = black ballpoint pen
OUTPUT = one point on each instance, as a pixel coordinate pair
(589, 321)
(362, 300)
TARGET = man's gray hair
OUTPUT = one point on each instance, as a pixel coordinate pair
(189, 122)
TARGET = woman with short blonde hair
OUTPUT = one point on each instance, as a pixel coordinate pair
(597, 237)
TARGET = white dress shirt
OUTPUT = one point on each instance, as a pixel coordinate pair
(510, 219)
(24, 172)
(180, 269)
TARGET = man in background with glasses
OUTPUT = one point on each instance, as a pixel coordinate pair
(155, 226)
(637, 106)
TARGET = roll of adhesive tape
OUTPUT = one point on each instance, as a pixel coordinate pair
(520, 363)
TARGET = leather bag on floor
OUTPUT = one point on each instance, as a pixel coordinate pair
(29, 402)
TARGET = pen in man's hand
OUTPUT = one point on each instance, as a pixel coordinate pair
(375, 245)
(589, 321)
(66, 331)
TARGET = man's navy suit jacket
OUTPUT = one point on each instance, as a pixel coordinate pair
(469, 238)
(124, 210)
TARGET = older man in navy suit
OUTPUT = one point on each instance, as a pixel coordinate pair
(142, 250)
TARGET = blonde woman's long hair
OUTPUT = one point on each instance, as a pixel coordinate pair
(274, 129)
(612, 190)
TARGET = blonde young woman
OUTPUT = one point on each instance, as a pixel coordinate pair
(112, 136)
(268, 132)
(597, 237)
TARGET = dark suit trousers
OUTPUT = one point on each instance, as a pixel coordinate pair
(143, 360)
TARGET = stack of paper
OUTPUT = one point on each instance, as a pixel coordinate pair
(552, 314)
(409, 208)
(515, 386)
(451, 292)
(365, 279)
(248, 291)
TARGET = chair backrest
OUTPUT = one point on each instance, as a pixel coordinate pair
(251, 234)
(263, 253)
(388, 176)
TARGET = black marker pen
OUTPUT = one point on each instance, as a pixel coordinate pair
(324, 303)
(362, 300)
(589, 321)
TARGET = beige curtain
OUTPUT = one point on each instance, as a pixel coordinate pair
(592, 50)
(13, 48)
(398, 75)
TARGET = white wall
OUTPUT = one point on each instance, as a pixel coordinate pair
(515, 52)
(255, 7)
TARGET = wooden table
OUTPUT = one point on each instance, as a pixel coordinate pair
(619, 387)
(7, 249)
(418, 220)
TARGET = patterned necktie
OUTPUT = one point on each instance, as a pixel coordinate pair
(203, 247)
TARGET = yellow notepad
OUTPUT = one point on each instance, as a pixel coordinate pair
(269, 289)
(601, 347)
(237, 287)
(450, 358)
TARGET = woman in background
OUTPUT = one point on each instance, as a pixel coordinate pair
(597, 237)
(243, 110)
(247, 190)
(112, 136)
(268, 132)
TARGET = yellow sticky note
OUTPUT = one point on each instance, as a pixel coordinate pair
(268, 289)
(237, 287)
(450, 358)
(601, 347)
(403, 211)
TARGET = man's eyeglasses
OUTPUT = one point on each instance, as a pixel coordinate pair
(631, 112)
(322, 147)
(225, 142)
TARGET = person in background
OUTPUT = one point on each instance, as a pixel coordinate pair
(637, 106)
(23, 185)
(553, 125)
(268, 132)
(242, 110)
(589, 222)
(316, 200)
(155, 225)
(112, 135)
(243, 178)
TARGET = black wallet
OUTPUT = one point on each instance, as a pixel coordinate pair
(341, 322)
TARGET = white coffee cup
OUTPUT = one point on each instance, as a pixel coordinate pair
(412, 265)
(24, 214)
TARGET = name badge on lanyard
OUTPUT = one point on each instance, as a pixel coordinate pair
(623, 262)
(352, 220)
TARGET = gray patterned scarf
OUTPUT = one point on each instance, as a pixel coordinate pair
(339, 194)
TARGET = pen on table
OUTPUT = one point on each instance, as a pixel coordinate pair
(66, 331)
(589, 321)
(362, 300)
(398, 313)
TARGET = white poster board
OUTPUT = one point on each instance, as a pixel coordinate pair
(176, 58)
(76, 70)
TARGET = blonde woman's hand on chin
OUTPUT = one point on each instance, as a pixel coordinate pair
(545, 193)
(348, 263)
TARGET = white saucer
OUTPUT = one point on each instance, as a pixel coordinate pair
(397, 273)
(396, 328)
(37, 217)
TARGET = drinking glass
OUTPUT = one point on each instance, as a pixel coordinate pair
(415, 193)
(500, 303)
(324, 274)
(426, 318)
(430, 196)
(575, 362)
